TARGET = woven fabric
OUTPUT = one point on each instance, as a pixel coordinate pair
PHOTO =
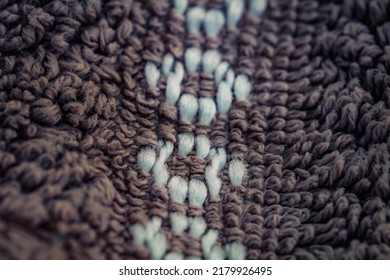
(237, 129)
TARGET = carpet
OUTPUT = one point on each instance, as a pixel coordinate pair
(194, 129)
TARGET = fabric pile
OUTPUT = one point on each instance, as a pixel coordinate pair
(194, 129)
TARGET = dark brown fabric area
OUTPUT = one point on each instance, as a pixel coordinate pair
(75, 110)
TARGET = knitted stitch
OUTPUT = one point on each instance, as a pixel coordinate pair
(194, 129)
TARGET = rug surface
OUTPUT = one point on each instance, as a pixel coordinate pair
(194, 129)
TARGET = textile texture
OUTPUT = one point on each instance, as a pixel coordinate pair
(194, 129)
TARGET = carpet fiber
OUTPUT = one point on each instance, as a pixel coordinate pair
(221, 129)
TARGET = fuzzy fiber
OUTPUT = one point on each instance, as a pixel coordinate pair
(101, 158)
